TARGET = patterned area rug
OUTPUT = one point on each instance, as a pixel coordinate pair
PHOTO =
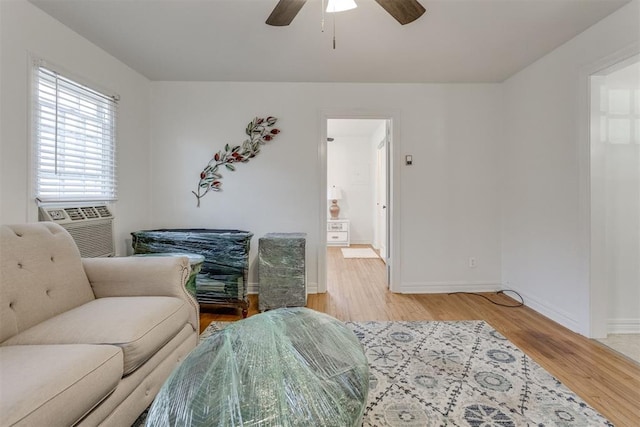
(461, 374)
(457, 374)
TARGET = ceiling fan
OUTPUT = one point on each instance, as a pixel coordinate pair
(404, 11)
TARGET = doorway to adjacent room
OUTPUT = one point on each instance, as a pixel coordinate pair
(358, 202)
(615, 205)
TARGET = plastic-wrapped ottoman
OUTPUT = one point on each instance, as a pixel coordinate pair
(286, 367)
(281, 271)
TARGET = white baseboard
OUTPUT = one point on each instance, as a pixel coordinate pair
(549, 310)
(542, 307)
(253, 288)
(447, 287)
(312, 288)
(623, 326)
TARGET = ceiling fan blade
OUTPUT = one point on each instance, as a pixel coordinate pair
(284, 12)
(405, 11)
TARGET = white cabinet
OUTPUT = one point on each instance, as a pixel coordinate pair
(338, 232)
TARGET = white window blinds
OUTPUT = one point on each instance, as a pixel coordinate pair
(74, 135)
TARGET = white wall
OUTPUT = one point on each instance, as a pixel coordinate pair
(349, 168)
(26, 30)
(449, 198)
(544, 252)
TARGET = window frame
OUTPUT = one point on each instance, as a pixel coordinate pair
(104, 176)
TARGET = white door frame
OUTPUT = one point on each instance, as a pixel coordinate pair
(591, 199)
(393, 174)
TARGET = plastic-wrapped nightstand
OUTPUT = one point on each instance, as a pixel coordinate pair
(281, 270)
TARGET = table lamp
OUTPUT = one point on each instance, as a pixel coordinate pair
(334, 194)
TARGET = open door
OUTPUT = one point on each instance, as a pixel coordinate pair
(382, 198)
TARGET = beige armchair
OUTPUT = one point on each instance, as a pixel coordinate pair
(86, 341)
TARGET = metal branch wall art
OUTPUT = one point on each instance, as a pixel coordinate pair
(260, 131)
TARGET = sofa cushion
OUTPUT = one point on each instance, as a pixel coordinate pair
(138, 325)
(55, 384)
(41, 275)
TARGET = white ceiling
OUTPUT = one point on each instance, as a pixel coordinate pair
(227, 40)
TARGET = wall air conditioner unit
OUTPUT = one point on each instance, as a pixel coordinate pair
(90, 226)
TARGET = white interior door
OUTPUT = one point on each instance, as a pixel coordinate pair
(381, 199)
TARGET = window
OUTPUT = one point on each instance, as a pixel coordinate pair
(619, 116)
(74, 140)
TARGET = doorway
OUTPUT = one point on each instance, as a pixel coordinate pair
(615, 205)
(358, 207)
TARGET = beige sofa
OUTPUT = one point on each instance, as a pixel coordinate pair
(86, 341)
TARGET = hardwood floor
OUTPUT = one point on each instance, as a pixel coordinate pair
(605, 379)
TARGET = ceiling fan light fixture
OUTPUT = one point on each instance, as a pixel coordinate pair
(340, 5)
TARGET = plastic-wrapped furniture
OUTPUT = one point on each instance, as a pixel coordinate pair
(281, 270)
(286, 367)
(222, 281)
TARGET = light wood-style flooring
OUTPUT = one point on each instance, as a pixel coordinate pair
(605, 379)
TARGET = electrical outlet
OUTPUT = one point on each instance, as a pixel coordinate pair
(473, 263)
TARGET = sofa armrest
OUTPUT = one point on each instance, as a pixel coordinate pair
(141, 276)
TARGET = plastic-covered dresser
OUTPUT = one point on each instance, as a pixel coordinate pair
(222, 281)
